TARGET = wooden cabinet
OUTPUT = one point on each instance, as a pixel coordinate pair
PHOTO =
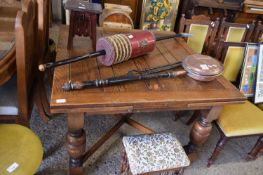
(135, 5)
(231, 9)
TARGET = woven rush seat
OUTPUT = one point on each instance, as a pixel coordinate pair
(153, 153)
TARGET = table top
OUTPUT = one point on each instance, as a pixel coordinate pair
(140, 96)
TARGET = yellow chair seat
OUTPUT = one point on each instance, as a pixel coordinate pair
(241, 119)
(260, 106)
(20, 150)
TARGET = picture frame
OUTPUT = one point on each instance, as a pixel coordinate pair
(248, 75)
(159, 15)
(259, 79)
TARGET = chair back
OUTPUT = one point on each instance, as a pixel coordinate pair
(26, 58)
(235, 32)
(43, 27)
(258, 34)
(204, 33)
(231, 54)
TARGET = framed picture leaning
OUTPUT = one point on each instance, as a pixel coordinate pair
(259, 79)
(159, 15)
(248, 74)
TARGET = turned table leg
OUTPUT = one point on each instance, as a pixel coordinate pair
(201, 129)
(76, 142)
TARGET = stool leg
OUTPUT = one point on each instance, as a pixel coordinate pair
(71, 30)
(93, 35)
(181, 171)
(122, 166)
(221, 142)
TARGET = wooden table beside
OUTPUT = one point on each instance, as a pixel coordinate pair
(182, 93)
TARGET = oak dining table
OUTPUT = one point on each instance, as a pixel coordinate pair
(123, 100)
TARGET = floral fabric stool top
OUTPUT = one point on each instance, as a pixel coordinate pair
(153, 153)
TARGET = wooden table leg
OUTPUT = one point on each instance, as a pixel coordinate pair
(201, 130)
(76, 142)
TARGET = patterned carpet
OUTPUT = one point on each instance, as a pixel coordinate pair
(106, 160)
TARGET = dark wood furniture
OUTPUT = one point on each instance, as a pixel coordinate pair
(7, 60)
(224, 29)
(236, 13)
(26, 66)
(213, 8)
(224, 32)
(23, 90)
(123, 100)
(43, 15)
(7, 43)
(185, 25)
(223, 48)
(256, 150)
(253, 6)
(249, 124)
(83, 20)
(258, 33)
(239, 120)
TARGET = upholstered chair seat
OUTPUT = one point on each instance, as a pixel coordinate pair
(260, 106)
(154, 153)
(237, 120)
(8, 100)
(20, 149)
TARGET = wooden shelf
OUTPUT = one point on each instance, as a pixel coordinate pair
(253, 6)
(227, 4)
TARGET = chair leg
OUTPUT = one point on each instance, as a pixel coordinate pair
(177, 115)
(256, 149)
(221, 142)
(193, 117)
(41, 101)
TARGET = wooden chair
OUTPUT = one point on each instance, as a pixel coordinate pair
(17, 94)
(7, 46)
(235, 120)
(235, 32)
(204, 33)
(43, 44)
(258, 33)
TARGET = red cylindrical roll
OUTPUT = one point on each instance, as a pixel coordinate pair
(121, 47)
(142, 42)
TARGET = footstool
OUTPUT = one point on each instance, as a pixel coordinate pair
(83, 20)
(153, 153)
